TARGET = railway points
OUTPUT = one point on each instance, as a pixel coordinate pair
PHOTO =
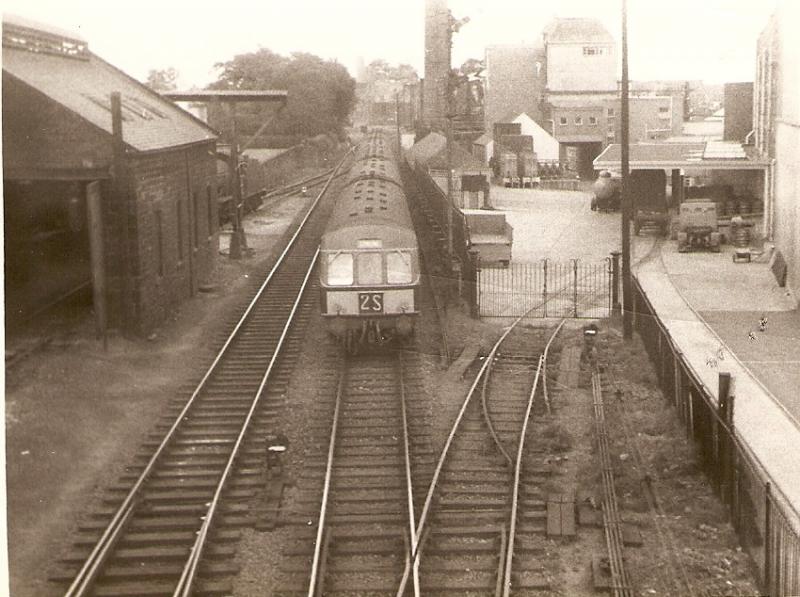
(478, 543)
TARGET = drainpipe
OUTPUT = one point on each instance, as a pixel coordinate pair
(769, 203)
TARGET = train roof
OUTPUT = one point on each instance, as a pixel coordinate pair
(375, 167)
(376, 145)
(370, 202)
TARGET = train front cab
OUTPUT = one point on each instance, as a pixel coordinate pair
(369, 293)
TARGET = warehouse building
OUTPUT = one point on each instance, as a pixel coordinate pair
(107, 185)
(776, 115)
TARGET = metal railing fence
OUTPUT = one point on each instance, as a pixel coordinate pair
(546, 288)
(768, 526)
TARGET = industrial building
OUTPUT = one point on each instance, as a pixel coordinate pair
(776, 107)
(568, 86)
(515, 82)
(108, 187)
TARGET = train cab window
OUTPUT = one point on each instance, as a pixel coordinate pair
(340, 269)
(370, 268)
(369, 243)
(398, 267)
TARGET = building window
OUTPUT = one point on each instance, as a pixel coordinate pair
(211, 212)
(593, 120)
(664, 112)
(562, 120)
(578, 120)
(159, 244)
(593, 51)
(179, 220)
(611, 111)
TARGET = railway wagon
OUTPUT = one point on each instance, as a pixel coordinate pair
(369, 272)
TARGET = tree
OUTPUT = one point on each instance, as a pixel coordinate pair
(321, 93)
(471, 66)
(162, 79)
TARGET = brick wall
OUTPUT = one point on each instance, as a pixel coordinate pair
(173, 237)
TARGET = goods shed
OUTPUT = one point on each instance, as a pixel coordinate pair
(107, 185)
(735, 176)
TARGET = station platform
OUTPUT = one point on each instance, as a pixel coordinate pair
(713, 309)
(711, 305)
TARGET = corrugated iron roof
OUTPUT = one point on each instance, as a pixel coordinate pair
(576, 30)
(461, 159)
(678, 155)
(427, 147)
(84, 87)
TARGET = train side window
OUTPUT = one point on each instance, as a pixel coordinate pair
(398, 267)
(370, 268)
(340, 269)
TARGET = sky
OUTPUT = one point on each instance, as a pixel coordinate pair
(711, 40)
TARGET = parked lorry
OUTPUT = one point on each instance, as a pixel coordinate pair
(697, 226)
(490, 235)
(648, 190)
(528, 169)
(509, 168)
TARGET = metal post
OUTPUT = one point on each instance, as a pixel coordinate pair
(474, 280)
(94, 214)
(544, 288)
(575, 287)
(768, 537)
(120, 190)
(627, 302)
(238, 241)
(616, 308)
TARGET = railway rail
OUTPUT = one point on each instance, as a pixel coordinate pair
(354, 516)
(184, 501)
(483, 505)
(368, 474)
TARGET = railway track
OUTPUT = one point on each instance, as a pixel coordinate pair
(170, 525)
(357, 492)
(485, 504)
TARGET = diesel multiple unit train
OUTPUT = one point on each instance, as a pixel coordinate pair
(369, 270)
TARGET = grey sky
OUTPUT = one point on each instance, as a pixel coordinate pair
(674, 39)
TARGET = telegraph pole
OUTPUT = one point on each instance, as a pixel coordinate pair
(449, 116)
(397, 120)
(627, 298)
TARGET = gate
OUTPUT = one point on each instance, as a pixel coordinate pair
(546, 289)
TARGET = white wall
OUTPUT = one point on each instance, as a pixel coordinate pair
(569, 69)
(787, 145)
(544, 144)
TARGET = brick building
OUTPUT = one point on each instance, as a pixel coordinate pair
(131, 210)
(515, 82)
(568, 85)
(776, 111)
(438, 23)
(738, 105)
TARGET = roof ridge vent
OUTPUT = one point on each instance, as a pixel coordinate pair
(30, 37)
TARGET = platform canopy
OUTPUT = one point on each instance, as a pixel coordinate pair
(710, 155)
